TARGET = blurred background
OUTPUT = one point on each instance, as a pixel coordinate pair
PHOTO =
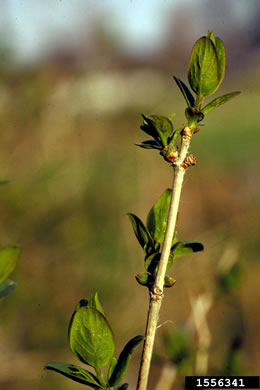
(75, 77)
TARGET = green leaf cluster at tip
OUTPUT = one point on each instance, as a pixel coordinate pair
(205, 74)
(206, 71)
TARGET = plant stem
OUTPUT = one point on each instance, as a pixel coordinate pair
(156, 293)
(100, 376)
(199, 102)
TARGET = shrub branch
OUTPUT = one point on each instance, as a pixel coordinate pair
(156, 292)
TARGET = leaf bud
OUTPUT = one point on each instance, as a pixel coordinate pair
(194, 115)
(170, 153)
(189, 161)
(145, 279)
(168, 281)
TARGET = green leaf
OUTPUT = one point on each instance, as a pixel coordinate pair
(221, 52)
(149, 129)
(204, 69)
(123, 387)
(123, 360)
(159, 127)
(173, 139)
(151, 263)
(8, 260)
(75, 373)
(219, 101)
(7, 287)
(111, 367)
(185, 91)
(221, 58)
(158, 215)
(183, 248)
(150, 144)
(211, 36)
(94, 302)
(90, 337)
(141, 233)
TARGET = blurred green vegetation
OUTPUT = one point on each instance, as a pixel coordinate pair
(74, 172)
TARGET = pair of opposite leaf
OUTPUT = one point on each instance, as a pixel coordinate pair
(92, 341)
(205, 73)
(151, 237)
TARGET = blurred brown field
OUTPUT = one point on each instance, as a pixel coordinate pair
(67, 147)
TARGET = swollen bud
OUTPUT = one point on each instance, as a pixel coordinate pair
(194, 115)
(145, 279)
(170, 153)
(168, 281)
